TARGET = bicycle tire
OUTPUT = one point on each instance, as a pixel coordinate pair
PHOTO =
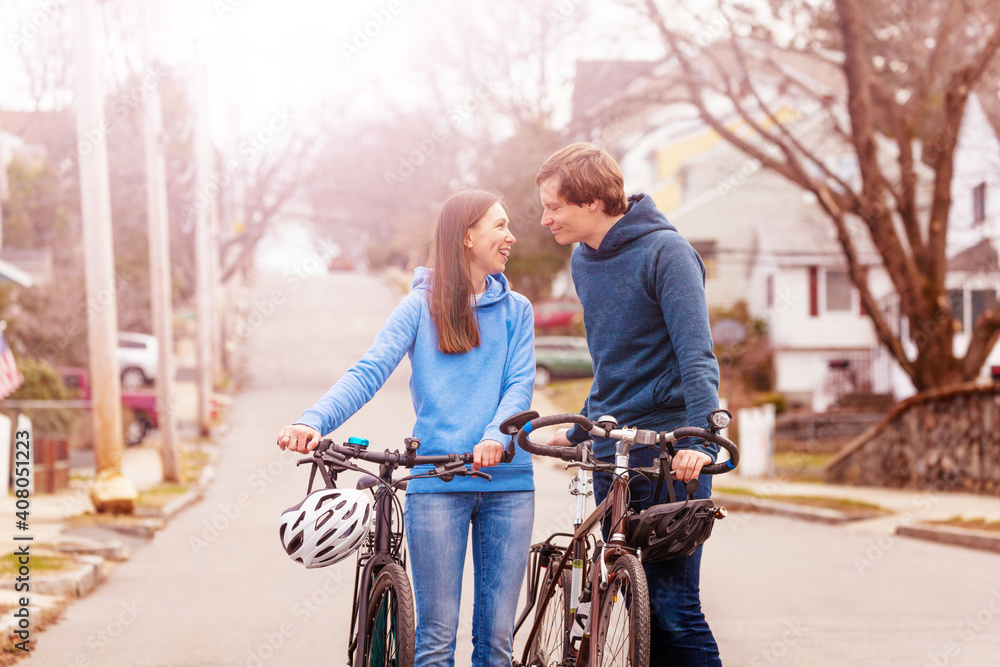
(623, 624)
(389, 640)
(548, 648)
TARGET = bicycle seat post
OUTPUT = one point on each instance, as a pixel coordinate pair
(622, 449)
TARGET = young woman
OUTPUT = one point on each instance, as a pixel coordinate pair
(470, 340)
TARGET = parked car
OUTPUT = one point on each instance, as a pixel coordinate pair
(561, 357)
(138, 359)
(554, 314)
(341, 263)
(138, 408)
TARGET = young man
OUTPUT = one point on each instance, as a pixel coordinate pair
(642, 287)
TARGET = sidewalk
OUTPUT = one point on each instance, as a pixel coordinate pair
(60, 528)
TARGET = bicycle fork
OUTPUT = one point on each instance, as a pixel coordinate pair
(580, 486)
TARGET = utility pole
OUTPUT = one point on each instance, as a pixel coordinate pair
(203, 252)
(111, 491)
(4, 185)
(160, 283)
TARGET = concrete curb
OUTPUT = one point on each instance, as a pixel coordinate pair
(793, 510)
(113, 550)
(171, 508)
(75, 583)
(964, 537)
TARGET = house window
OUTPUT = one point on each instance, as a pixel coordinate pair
(979, 203)
(982, 300)
(813, 291)
(708, 252)
(838, 291)
(957, 298)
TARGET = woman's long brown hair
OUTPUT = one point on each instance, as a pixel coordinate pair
(451, 284)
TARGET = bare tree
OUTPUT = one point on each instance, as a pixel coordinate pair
(902, 73)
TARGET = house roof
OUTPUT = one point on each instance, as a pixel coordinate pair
(980, 257)
(597, 81)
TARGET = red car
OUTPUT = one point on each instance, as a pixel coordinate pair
(138, 408)
(555, 314)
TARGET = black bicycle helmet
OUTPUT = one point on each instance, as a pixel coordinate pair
(672, 530)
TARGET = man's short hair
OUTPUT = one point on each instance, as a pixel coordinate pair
(586, 173)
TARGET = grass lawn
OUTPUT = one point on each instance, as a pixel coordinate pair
(975, 524)
(160, 495)
(40, 564)
(839, 504)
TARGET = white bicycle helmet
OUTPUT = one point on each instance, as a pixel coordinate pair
(326, 527)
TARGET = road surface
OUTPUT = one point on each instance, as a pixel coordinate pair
(215, 588)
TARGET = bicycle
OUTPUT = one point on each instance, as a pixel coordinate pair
(382, 617)
(588, 574)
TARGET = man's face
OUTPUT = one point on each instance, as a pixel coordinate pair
(569, 223)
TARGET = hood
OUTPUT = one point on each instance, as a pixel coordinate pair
(497, 287)
(642, 218)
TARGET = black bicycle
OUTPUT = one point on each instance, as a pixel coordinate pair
(589, 590)
(382, 618)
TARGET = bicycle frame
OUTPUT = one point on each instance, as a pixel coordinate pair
(365, 574)
(597, 577)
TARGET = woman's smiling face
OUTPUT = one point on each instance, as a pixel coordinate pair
(487, 244)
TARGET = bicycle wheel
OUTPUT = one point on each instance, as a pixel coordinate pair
(548, 648)
(623, 624)
(389, 640)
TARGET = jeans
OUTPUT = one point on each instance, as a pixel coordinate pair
(679, 633)
(437, 531)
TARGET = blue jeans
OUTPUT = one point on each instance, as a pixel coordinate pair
(679, 633)
(437, 531)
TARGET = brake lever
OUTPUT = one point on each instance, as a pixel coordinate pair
(577, 464)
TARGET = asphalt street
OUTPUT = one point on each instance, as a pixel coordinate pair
(215, 588)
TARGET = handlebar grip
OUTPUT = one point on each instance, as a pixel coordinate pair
(728, 445)
(566, 453)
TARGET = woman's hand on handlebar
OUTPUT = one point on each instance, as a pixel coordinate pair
(486, 454)
(559, 439)
(298, 438)
(688, 463)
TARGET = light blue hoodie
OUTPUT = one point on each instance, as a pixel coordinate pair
(459, 399)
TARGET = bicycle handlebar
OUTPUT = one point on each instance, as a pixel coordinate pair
(524, 423)
(445, 464)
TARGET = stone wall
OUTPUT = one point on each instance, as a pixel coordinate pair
(948, 440)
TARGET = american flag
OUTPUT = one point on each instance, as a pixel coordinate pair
(10, 377)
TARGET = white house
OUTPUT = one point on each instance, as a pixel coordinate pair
(767, 243)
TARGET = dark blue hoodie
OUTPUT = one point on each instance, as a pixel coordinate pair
(643, 296)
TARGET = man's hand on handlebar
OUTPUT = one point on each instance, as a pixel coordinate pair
(688, 463)
(559, 439)
(486, 454)
(298, 438)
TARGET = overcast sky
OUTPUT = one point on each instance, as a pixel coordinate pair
(265, 55)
